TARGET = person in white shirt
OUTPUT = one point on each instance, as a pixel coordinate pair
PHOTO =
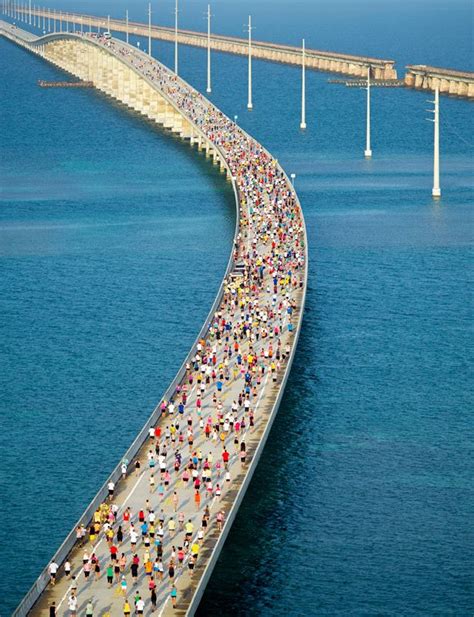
(111, 488)
(53, 569)
(72, 605)
(140, 606)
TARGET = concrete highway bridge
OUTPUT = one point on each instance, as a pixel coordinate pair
(224, 398)
(449, 81)
(332, 62)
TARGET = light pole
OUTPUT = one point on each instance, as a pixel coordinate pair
(436, 191)
(149, 28)
(108, 24)
(126, 25)
(368, 151)
(303, 87)
(176, 38)
(235, 119)
(293, 178)
(208, 89)
(249, 103)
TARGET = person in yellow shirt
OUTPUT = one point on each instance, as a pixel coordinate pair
(126, 609)
(171, 526)
(148, 567)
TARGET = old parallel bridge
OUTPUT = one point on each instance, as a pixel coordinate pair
(315, 59)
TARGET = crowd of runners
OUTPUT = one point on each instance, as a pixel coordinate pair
(139, 548)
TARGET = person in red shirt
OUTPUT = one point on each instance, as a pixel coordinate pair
(113, 552)
(225, 458)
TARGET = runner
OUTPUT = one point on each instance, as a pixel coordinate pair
(53, 569)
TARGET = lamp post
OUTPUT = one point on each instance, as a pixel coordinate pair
(293, 178)
(208, 89)
(126, 25)
(368, 150)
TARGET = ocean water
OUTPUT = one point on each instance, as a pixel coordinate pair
(363, 498)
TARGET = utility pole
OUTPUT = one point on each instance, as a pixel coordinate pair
(303, 88)
(149, 28)
(368, 151)
(208, 89)
(436, 192)
(249, 26)
(176, 38)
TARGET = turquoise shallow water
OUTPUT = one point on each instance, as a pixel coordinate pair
(113, 237)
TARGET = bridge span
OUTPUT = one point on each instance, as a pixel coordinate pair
(329, 61)
(449, 81)
(198, 450)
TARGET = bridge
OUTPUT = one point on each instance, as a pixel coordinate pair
(449, 81)
(190, 465)
(332, 62)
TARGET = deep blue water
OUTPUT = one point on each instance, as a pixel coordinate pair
(364, 495)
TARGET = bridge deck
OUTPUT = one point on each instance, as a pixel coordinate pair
(244, 356)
